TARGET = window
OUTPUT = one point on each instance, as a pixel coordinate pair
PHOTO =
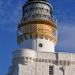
(51, 70)
(40, 45)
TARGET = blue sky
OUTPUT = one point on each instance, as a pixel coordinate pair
(10, 15)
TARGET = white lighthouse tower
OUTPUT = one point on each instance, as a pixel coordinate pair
(37, 30)
(37, 39)
(36, 35)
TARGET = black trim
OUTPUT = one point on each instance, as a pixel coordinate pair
(28, 3)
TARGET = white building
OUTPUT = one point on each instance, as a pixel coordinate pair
(37, 37)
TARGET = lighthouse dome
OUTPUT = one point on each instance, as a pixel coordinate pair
(38, 0)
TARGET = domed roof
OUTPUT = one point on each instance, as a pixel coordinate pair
(38, 0)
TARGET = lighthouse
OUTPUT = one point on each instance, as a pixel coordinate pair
(37, 30)
(37, 37)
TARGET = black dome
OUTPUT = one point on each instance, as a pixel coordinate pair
(38, 0)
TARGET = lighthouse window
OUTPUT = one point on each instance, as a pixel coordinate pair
(50, 70)
(40, 45)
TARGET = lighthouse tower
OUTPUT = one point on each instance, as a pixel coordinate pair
(37, 30)
(37, 39)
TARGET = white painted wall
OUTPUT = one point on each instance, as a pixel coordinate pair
(33, 44)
